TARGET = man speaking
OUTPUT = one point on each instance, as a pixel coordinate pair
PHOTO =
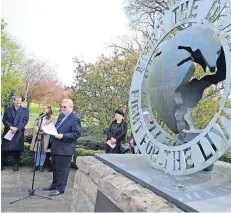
(63, 147)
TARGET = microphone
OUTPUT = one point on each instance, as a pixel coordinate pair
(42, 116)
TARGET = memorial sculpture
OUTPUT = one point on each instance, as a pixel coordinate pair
(191, 33)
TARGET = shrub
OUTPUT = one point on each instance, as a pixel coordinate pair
(28, 138)
(88, 140)
(27, 156)
(87, 152)
(93, 142)
(226, 158)
(91, 130)
(28, 135)
(26, 159)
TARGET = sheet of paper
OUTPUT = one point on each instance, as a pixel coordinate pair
(111, 145)
(50, 129)
(9, 135)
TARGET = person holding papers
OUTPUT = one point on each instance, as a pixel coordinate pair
(43, 138)
(116, 133)
(63, 147)
(14, 119)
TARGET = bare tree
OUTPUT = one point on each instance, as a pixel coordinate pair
(39, 78)
(125, 45)
(142, 13)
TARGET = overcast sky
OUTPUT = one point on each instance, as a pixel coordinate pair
(58, 30)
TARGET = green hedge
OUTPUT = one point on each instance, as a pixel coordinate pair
(88, 140)
(27, 156)
(87, 152)
(93, 142)
(226, 158)
(26, 159)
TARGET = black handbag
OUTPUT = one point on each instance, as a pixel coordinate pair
(124, 147)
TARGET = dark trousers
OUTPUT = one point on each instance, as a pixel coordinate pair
(48, 161)
(15, 154)
(61, 167)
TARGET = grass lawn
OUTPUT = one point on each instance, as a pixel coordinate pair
(36, 109)
(30, 124)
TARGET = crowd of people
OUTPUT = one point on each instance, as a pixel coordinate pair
(60, 146)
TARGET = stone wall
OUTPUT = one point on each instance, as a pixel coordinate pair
(125, 193)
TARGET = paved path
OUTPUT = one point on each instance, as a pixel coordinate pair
(16, 185)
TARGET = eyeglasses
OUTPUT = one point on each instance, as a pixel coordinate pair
(64, 107)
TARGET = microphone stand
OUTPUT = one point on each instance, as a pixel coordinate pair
(32, 190)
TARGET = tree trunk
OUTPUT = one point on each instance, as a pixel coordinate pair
(28, 104)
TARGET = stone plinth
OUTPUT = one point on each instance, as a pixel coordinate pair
(95, 177)
(200, 192)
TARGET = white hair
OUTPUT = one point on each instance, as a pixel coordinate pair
(69, 102)
(17, 97)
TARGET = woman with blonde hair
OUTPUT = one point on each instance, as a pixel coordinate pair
(43, 139)
(117, 133)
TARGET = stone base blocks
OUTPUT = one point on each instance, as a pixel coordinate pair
(129, 196)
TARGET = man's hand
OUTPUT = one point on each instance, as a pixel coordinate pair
(14, 129)
(59, 136)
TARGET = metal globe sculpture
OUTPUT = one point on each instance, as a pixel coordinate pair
(191, 33)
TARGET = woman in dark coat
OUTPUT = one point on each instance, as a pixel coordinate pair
(116, 133)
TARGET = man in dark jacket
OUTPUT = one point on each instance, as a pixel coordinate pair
(63, 147)
(14, 119)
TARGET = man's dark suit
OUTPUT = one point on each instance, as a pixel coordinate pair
(16, 118)
(62, 150)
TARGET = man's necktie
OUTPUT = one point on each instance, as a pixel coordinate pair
(60, 121)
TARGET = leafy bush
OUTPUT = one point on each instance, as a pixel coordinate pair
(28, 138)
(28, 135)
(92, 139)
(87, 152)
(226, 158)
(27, 156)
(26, 159)
(93, 142)
(88, 140)
(91, 129)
